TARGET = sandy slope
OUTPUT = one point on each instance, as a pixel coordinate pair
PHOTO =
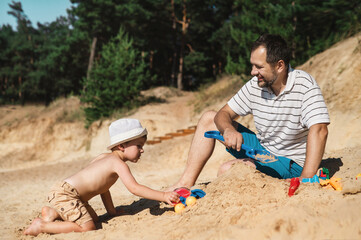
(38, 148)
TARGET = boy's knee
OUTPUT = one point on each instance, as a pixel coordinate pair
(88, 226)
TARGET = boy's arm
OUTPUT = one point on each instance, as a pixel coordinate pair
(108, 203)
(142, 191)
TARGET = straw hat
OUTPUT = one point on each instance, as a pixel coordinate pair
(124, 130)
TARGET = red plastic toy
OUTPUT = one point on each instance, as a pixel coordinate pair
(295, 183)
(183, 192)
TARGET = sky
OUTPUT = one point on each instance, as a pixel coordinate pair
(36, 10)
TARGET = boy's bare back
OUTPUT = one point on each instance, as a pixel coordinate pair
(98, 176)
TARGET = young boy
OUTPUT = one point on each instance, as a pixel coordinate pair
(69, 198)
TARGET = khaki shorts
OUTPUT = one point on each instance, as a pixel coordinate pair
(66, 201)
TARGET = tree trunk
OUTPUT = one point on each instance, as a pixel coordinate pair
(20, 94)
(91, 58)
(180, 71)
(174, 62)
(184, 23)
(294, 31)
(181, 56)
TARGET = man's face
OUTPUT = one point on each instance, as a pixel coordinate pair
(265, 72)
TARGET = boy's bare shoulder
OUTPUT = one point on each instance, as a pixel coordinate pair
(99, 157)
(108, 157)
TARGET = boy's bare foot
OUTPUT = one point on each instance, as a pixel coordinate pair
(49, 214)
(35, 227)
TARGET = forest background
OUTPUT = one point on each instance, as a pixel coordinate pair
(108, 51)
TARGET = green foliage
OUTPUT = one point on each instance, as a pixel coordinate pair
(116, 79)
(320, 24)
(195, 65)
(18, 56)
(43, 63)
(235, 68)
(204, 58)
(49, 78)
(39, 64)
(250, 19)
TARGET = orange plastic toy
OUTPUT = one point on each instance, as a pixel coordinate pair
(179, 207)
(190, 201)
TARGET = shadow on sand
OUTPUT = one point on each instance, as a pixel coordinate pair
(332, 164)
(134, 208)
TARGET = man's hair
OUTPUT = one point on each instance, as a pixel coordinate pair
(276, 47)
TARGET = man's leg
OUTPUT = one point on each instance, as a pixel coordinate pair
(200, 151)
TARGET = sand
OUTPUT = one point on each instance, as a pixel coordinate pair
(40, 145)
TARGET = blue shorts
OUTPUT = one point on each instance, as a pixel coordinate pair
(283, 168)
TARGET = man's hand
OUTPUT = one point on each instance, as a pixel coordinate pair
(171, 198)
(224, 122)
(232, 138)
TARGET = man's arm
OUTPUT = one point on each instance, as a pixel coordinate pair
(316, 142)
(224, 122)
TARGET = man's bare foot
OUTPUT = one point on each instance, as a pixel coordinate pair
(35, 227)
(49, 214)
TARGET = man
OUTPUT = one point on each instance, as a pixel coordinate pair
(289, 112)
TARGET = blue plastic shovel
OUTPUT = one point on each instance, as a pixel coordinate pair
(263, 156)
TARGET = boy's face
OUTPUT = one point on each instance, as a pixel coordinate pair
(134, 148)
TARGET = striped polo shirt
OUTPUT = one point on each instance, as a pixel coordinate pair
(283, 121)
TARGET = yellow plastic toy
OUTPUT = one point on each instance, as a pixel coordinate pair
(324, 182)
(334, 182)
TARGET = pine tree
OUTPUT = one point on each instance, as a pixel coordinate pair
(116, 80)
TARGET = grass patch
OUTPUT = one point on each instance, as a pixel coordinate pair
(358, 46)
(72, 116)
(133, 107)
(67, 110)
(224, 88)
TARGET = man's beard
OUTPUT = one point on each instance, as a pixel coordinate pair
(267, 84)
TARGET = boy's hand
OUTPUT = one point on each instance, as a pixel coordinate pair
(116, 212)
(171, 198)
(120, 212)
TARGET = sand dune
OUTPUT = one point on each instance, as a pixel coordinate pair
(40, 145)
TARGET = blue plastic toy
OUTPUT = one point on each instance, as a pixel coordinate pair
(313, 179)
(263, 156)
(197, 193)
